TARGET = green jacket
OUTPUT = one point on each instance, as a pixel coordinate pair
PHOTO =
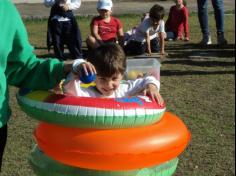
(18, 64)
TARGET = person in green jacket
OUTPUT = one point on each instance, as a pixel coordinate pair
(20, 67)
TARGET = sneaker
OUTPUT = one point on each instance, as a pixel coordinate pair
(206, 40)
(221, 40)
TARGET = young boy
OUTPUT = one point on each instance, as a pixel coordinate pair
(177, 22)
(149, 35)
(63, 28)
(105, 28)
(110, 65)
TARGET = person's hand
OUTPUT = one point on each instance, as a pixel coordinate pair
(152, 91)
(163, 54)
(149, 54)
(65, 7)
(86, 66)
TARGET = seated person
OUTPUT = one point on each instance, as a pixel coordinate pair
(63, 28)
(149, 35)
(104, 27)
(177, 22)
(110, 64)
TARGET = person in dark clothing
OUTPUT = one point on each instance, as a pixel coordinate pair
(63, 28)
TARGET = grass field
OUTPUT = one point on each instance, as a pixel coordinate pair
(201, 90)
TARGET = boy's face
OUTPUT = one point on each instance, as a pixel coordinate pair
(107, 85)
(104, 13)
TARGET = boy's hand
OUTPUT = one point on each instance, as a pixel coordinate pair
(152, 91)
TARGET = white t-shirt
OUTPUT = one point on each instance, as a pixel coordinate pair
(126, 88)
(146, 27)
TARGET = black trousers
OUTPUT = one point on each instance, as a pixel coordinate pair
(3, 140)
(66, 33)
(138, 48)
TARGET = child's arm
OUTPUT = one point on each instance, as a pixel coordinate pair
(148, 40)
(185, 24)
(71, 86)
(151, 90)
(120, 36)
(162, 36)
(147, 85)
(82, 64)
(94, 32)
(74, 4)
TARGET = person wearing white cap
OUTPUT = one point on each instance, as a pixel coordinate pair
(104, 27)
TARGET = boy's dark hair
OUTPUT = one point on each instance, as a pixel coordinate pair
(157, 12)
(109, 59)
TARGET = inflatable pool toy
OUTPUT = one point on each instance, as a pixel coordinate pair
(87, 112)
(114, 149)
(45, 166)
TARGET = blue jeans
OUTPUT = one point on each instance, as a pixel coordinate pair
(218, 6)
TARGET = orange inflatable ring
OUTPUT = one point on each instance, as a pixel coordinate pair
(114, 149)
(89, 112)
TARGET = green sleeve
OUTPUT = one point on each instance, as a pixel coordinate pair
(24, 69)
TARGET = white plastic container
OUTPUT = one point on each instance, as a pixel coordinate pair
(141, 67)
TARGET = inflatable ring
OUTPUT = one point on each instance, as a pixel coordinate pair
(114, 149)
(87, 112)
(45, 166)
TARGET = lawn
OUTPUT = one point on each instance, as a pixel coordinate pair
(200, 90)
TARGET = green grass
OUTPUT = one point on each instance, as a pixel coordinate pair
(199, 90)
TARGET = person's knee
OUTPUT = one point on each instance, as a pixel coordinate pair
(91, 42)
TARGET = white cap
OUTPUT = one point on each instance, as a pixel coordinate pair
(104, 4)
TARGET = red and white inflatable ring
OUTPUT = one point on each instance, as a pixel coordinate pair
(87, 112)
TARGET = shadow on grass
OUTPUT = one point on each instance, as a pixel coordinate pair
(192, 72)
(202, 63)
(196, 50)
(195, 55)
(66, 53)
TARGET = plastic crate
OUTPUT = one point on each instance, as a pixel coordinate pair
(141, 67)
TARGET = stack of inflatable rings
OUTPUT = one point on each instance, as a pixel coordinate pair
(81, 136)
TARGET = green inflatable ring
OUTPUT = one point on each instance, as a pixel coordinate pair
(45, 166)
